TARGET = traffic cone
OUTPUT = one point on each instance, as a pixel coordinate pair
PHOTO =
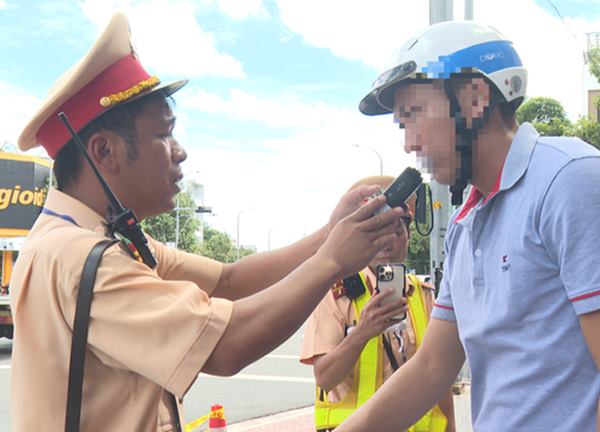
(216, 421)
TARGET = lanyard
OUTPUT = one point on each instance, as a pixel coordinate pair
(68, 218)
(130, 246)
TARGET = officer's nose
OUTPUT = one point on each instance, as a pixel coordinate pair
(178, 153)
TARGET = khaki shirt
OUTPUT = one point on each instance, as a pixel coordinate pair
(150, 333)
(327, 327)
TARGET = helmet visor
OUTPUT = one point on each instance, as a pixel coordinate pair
(372, 103)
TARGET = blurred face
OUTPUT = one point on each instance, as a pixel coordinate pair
(396, 253)
(153, 175)
(422, 109)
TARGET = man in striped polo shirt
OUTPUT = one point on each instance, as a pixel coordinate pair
(520, 296)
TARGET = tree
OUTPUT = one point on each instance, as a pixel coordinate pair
(162, 227)
(593, 60)
(541, 110)
(587, 130)
(546, 114)
(219, 246)
(548, 117)
(418, 252)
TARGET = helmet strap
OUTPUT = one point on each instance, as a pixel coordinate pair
(465, 136)
(463, 146)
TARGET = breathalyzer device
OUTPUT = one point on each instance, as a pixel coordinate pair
(400, 189)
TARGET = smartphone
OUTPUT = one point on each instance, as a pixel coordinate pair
(400, 189)
(392, 275)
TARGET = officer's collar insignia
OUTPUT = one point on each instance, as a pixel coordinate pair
(338, 290)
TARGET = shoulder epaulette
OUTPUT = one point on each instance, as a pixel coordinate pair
(338, 290)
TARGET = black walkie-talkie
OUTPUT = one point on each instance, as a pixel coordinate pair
(120, 220)
(353, 286)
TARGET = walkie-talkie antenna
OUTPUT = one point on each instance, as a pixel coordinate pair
(120, 220)
(114, 201)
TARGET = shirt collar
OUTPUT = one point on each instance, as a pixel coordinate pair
(63, 204)
(519, 155)
(515, 165)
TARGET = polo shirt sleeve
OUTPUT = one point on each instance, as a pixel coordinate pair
(174, 264)
(442, 306)
(324, 330)
(162, 330)
(569, 224)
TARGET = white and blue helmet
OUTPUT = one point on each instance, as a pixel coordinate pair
(445, 49)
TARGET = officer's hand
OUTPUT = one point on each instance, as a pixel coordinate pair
(350, 202)
(357, 238)
(375, 318)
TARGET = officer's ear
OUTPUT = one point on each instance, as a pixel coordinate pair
(473, 95)
(104, 149)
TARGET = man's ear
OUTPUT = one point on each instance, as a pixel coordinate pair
(474, 97)
(102, 147)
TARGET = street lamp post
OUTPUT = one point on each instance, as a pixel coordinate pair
(440, 10)
(237, 237)
(376, 152)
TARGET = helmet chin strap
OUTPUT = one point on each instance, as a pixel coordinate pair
(465, 136)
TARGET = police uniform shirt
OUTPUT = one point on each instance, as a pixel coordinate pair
(329, 323)
(150, 333)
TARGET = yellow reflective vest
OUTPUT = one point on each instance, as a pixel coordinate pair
(368, 370)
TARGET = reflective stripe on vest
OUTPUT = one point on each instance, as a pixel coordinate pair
(368, 369)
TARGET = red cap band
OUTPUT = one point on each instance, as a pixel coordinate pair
(84, 106)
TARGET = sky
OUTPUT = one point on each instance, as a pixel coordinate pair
(269, 118)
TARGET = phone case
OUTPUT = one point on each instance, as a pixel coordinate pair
(392, 275)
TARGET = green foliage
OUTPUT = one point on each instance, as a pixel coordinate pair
(587, 130)
(541, 110)
(555, 127)
(219, 246)
(418, 252)
(547, 115)
(162, 227)
(593, 57)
